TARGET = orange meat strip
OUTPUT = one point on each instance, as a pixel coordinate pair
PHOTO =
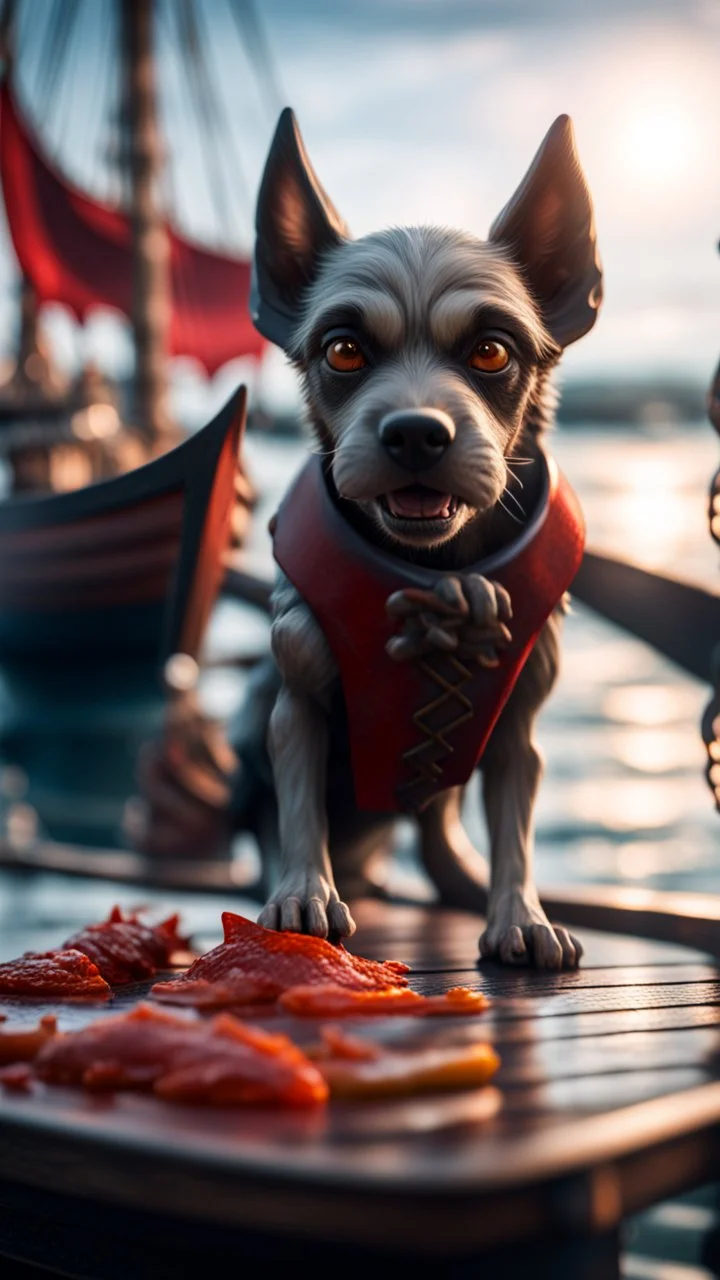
(429, 1070)
(127, 950)
(332, 1001)
(273, 962)
(220, 1062)
(21, 1046)
(53, 973)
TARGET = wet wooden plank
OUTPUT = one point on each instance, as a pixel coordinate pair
(496, 980)
(590, 1025)
(504, 1032)
(636, 1052)
(554, 1101)
(561, 1000)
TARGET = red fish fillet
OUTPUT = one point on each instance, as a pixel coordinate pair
(53, 973)
(221, 1062)
(332, 1001)
(257, 964)
(126, 950)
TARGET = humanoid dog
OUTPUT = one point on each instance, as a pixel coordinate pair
(425, 357)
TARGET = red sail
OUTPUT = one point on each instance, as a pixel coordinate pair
(77, 251)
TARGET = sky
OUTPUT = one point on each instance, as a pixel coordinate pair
(429, 112)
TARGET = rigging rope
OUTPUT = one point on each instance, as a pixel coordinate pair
(97, 146)
(253, 37)
(57, 40)
(211, 115)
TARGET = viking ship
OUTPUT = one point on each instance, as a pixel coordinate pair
(93, 569)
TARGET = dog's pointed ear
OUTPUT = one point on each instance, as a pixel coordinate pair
(549, 228)
(296, 223)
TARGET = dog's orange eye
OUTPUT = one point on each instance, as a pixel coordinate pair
(489, 356)
(345, 356)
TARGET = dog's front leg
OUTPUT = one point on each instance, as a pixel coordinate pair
(305, 898)
(518, 931)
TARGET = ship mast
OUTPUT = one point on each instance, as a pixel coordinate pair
(151, 298)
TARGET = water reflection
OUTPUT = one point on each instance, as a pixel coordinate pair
(646, 704)
(653, 510)
(624, 796)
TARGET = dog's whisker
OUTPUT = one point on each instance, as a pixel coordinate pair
(517, 479)
(517, 502)
(510, 513)
(323, 453)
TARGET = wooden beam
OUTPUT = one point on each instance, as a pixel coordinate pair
(678, 619)
(151, 305)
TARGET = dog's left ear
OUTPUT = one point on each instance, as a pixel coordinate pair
(549, 228)
(296, 223)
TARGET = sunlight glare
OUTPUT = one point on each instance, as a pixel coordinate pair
(658, 750)
(646, 704)
(660, 142)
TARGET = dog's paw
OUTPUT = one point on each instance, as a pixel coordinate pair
(465, 615)
(519, 933)
(308, 905)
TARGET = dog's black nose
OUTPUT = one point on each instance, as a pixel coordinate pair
(416, 438)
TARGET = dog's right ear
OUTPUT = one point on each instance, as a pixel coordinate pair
(549, 228)
(296, 223)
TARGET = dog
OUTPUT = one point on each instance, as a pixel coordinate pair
(425, 359)
(421, 584)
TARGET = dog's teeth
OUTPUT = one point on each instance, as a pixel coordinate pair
(416, 503)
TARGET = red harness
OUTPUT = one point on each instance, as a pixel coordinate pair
(418, 727)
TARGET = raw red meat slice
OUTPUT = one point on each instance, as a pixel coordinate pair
(126, 950)
(53, 973)
(235, 989)
(220, 1061)
(273, 962)
(119, 949)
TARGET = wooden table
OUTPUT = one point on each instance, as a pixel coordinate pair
(608, 1100)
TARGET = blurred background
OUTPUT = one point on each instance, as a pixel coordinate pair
(415, 112)
(132, 140)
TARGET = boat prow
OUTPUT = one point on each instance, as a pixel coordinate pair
(128, 567)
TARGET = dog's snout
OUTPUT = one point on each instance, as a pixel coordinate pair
(416, 439)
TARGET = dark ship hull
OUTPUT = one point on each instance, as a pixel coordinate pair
(128, 567)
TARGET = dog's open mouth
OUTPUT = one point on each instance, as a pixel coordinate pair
(418, 502)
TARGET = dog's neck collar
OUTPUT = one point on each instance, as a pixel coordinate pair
(355, 544)
(408, 739)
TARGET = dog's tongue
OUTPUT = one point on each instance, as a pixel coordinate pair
(415, 502)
